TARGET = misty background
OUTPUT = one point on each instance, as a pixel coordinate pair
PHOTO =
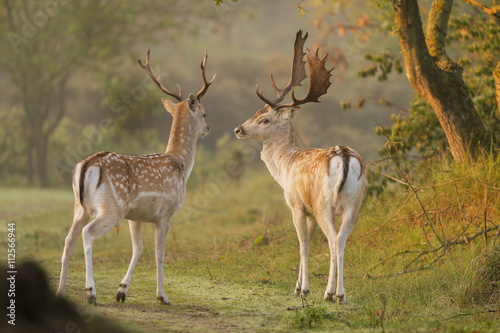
(113, 105)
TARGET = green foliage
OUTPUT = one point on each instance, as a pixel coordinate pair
(474, 38)
(13, 150)
(48, 43)
(475, 280)
(477, 38)
(491, 274)
(131, 103)
(312, 317)
(481, 35)
(383, 63)
(452, 205)
(418, 130)
(220, 2)
(227, 162)
(73, 142)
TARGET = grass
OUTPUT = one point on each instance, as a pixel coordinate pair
(231, 265)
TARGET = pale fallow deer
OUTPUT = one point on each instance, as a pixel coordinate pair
(149, 188)
(319, 184)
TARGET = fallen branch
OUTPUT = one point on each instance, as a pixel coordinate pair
(445, 248)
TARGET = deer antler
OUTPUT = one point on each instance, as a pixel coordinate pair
(319, 80)
(206, 84)
(148, 70)
(298, 71)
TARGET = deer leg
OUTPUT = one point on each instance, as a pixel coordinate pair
(330, 288)
(299, 220)
(161, 230)
(325, 220)
(312, 227)
(100, 225)
(79, 220)
(135, 233)
(349, 219)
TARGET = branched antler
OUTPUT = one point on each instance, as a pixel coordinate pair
(148, 70)
(319, 80)
(206, 83)
(298, 71)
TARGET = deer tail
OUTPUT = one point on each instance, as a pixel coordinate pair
(343, 170)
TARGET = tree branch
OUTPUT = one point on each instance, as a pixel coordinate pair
(61, 108)
(493, 11)
(416, 55)
(437, 27)
(8, 6)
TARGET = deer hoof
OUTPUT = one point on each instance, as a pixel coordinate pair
(304, 293)
(122, 293)
(341, 299)
(163, 300)
(91, 299)
(328, 297)
(91, 296)
(120, 296)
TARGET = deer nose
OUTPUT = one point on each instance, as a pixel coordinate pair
(238, 130)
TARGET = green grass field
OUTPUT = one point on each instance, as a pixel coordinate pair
(232, 265)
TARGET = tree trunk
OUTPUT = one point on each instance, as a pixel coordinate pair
(41, 161)
(437, 78)
(30, 167)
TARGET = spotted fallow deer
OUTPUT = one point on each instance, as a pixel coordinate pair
(318, 184)
(149, 188)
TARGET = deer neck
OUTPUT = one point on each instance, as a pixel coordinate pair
(278, 152)
(182, 143)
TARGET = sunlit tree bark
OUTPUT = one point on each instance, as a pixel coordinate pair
(437, 78)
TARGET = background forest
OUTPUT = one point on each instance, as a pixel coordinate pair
(76, 85)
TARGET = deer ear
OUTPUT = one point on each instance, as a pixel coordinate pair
(192, 100)
(291, 113)
(169, 105)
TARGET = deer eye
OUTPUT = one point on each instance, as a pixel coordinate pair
(264, 121)
(204, 115)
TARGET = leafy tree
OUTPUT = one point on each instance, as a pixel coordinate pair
(456, 99)
(437, 78)
(477, 37)
(12, 158)
(48, 42)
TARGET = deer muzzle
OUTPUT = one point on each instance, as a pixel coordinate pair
(239, 132)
